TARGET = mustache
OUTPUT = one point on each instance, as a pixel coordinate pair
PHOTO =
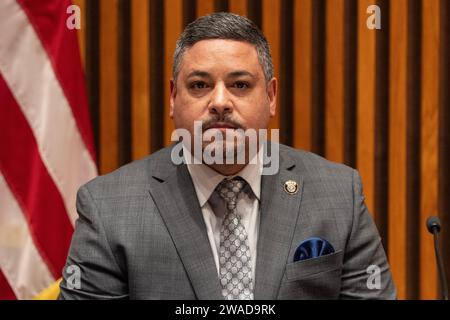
(213, 121)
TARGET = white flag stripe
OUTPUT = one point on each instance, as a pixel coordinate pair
(20, 261)
(28, 72)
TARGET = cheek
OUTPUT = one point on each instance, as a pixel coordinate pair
(260, 120)
(256, 113)
(186, 110)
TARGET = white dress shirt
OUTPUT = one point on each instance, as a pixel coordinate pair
(213, 207)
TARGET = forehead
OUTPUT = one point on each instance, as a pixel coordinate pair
(219, 54)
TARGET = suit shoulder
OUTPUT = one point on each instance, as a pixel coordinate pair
(130, 179)
(317, 166)
(310, 159)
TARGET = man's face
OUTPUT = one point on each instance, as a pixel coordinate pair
(222, 84)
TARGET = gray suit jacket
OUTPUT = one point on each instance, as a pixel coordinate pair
(141, 235)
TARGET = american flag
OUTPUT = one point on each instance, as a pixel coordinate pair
(46, 144)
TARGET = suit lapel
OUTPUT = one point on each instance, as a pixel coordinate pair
(174, 194)
(177, 202)
(278, 219)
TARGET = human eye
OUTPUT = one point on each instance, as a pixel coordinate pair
(198, 85)
(241, 85)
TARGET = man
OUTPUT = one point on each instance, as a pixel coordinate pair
(161, 229)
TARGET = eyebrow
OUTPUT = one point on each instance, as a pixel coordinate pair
(198, 73)
(234, 74)
(240, 73)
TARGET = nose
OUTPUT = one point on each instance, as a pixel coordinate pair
(220, 102)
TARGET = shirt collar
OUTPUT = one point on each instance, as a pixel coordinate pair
(206, 179)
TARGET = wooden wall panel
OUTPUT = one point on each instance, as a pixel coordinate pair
(345, 91)
(140, 71)
(444, 132)
(429, 142)
(173, 26)
(271, 26)
(334, 80)
(109, 108)
(239, 7)
(302, 76)
(398, 144)
(205, 7)
(366, 104)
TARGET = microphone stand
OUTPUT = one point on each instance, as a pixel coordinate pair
(434, 227)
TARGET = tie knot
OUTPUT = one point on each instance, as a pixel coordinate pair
(229, 190)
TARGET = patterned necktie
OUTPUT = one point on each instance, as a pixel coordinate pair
(234, 252)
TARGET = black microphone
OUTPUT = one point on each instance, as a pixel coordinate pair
(434, 227)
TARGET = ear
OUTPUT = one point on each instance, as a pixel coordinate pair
(272, 88)
(173, 94)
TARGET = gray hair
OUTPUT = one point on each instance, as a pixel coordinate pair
(224, 25)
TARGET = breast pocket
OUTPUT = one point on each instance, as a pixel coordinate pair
(317, 278)
(314, 267)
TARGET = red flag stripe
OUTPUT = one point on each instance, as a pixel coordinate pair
(34, 189)
(18, 251)
(29, 73)
(6, 293)
(49, 21)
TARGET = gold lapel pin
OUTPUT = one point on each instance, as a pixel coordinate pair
(291, 187)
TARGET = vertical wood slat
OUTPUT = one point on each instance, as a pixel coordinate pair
(271, 26)
(318, 77)
(124, 81)
(350, 22)
(254, 11)
(82, 32)
(444, 133)
(397, 220)
(92, 69)
(205, 7)
(109, 109)
(239, 7)
(382, 125)
(366, 100)
(302, 106)
(429, 142)
(157, 71)
(140, 78)
(173, 26)
(334, 80)
(286, 98)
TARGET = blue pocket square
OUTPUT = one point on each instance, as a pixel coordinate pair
(312, 248)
